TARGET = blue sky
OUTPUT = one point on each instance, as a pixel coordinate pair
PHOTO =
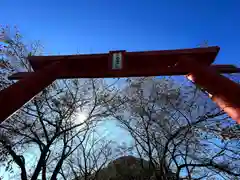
(90, 26)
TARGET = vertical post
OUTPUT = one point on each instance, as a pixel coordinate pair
(16, 95)
(224, 92)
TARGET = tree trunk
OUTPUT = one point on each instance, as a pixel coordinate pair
(19, 161)
(41, 163)
(44, 172)
(57, 169)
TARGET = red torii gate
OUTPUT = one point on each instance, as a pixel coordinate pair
(195, 63)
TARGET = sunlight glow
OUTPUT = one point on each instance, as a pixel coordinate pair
(81, 117)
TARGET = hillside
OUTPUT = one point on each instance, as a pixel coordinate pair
(126, 168)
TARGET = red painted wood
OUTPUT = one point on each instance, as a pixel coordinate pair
(148, 63)
(163, 72)
(224, 92)
(151, 63)
(16, 95)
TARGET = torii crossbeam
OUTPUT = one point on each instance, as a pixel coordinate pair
(195, 63)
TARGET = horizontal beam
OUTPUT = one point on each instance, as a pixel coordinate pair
(133, 61)
(161, 72)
